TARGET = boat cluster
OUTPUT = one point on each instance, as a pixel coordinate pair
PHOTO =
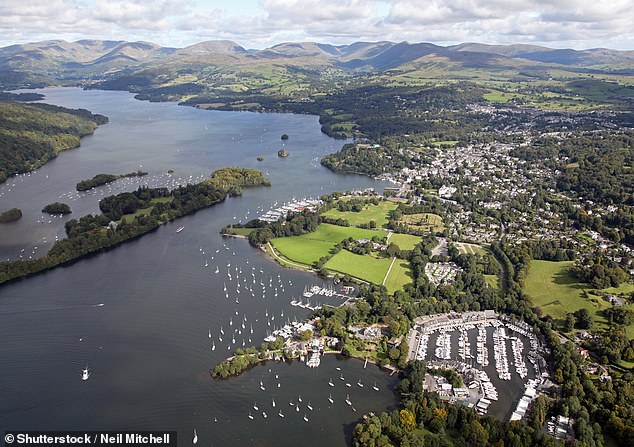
(289, 330)
(421, 350)
(517, 346)
(443, 345)
(292, 207)
(488, 389)
(464, 347)
(325, 291)
(305, 305)
(482, 353)
(499, 353)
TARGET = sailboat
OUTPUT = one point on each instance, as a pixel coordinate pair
(305, 417)
(309, 406)
(273, 403)
(330, 382)
(255, 406)
(209, 333)
(375, 388)
(213, 346)
(348, 399)
(360, 384)
(330, 399)
(280, 414)
(85, 374)
(250, 415)
(195, 440)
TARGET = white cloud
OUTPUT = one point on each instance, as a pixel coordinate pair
(576, 23)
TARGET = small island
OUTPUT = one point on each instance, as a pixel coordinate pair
(57, 208)
(10, 215)
(282, 153)
(103, 179)
(260, 158)
(284, 137)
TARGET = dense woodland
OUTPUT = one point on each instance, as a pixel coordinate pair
(30, 135)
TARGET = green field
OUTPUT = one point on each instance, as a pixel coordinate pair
(377, 213)
(308, 248)
(399, 276)
(366, 268)
(405, 241)
(552, 288)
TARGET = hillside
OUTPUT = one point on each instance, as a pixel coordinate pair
(287, 67)
(30, 135)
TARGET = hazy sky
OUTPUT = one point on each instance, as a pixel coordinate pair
(262, 23)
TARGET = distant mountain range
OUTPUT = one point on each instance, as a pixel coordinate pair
(57, 60)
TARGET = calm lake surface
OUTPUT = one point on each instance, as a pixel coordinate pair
(140, 316)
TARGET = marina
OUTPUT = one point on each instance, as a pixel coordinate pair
(463, 342)
(294, 206)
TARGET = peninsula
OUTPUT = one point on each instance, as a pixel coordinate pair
(33, 134)
(129, 215)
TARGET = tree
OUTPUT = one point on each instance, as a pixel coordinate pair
(569, 322)
(393, 250)
(583, 319)
(408, 420)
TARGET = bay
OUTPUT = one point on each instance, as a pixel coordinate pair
(139, 316)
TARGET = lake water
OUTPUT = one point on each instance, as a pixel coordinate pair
(148, 346)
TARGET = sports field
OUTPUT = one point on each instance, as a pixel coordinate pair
(367, 268)
(404, 241)
(308, 248)
(399, 276)
(377, 213)
(470, 249)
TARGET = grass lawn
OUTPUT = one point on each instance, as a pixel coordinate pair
(424, 222)
(242, 231)
(308, 248)
(363, 267)
(552, 288)
(377, 213)
(146, 211)
(405, 241)
(399, 276)
(623, 288)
